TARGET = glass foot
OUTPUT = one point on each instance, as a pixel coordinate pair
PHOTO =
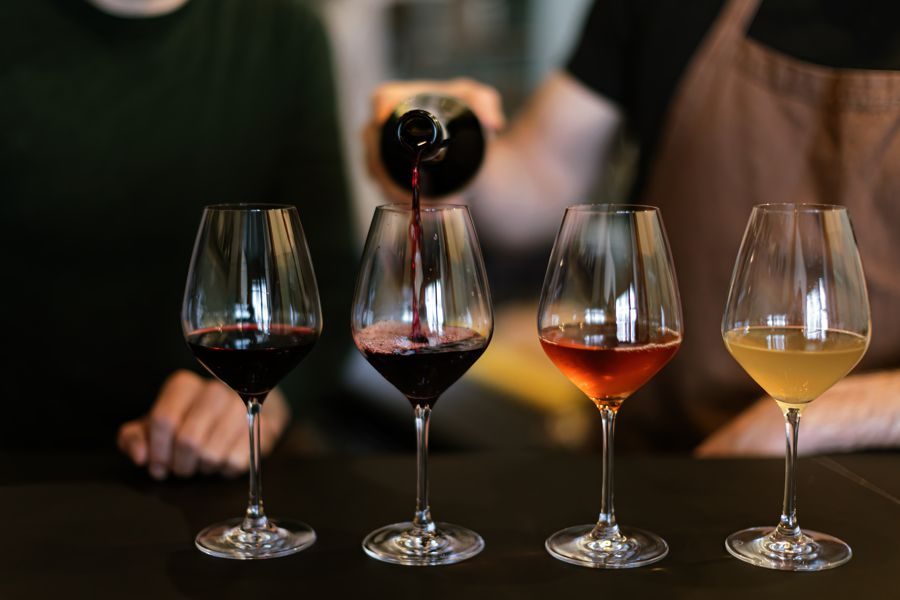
(627, 548)
(278, 538)
(405, 544)
(812, 551)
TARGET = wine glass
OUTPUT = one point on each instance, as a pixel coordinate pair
(251, 313)
(797, 321)
(422, 316)
(609, 319)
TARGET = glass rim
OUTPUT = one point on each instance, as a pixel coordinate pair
(425, 206)
(798, 207)
(612, 208)
(249, 206)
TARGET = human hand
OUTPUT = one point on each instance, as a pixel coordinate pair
(484, 101)
(859, 412)
(199, 424)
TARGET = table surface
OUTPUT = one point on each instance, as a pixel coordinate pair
(92, 526)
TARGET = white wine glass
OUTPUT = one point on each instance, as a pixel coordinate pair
(797, 321)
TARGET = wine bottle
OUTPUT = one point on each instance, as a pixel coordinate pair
(442, 134)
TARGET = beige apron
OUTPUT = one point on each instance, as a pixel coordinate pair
(750, 125)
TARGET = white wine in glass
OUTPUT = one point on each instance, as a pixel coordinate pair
(797, 321)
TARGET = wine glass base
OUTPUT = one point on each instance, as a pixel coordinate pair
(405, 544)
(280, 538)
(813, 551)
(630, 548)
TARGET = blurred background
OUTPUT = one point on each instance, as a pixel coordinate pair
(510, 44)
(513, 397)
(115, 105)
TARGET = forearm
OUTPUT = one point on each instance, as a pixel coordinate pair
(862, 411)
(859, 412)
(514, 199)
(548, 159)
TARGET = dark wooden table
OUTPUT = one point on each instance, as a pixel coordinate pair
(90, 526)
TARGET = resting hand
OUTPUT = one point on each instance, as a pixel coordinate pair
(484, 101)
(199, 424)
(859, 412)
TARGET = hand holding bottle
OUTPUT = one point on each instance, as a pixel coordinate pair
(483, 100)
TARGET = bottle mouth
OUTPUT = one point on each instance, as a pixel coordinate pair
(418, 131)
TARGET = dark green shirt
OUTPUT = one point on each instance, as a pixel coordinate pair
(115, 133)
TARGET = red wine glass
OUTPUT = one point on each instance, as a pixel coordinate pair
(609, 319)
(422, 316)
(251, 313)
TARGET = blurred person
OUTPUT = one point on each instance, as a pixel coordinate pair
(121, 120)
(732, 103)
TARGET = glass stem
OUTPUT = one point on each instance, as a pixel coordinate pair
(255, 517)
(422, 520)
(606, 527)
(788, 526)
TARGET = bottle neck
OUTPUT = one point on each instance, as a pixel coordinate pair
(421, 134)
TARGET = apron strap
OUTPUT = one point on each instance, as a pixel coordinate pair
(732, 25)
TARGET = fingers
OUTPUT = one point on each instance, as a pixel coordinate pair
(483, 99)
(215, 411)
(276, 415)
(199, 425)
(175, 399)
(229, 432)
(238, 460)
(132, 441)
(274, 418)
(388, 95)
(371, 135)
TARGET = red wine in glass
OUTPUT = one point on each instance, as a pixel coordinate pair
(421, 370)
(251, 313)
(249, 359)
(421, 317)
